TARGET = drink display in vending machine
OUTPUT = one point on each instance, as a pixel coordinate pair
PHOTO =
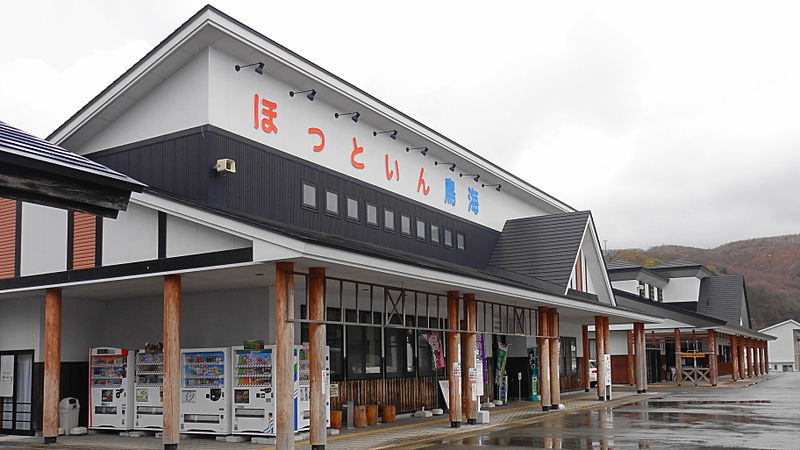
(110, 388)
(205, 391)
(149, 391)
(253, 396)
(303, 388)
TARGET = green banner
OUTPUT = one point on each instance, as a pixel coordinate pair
(502, 354)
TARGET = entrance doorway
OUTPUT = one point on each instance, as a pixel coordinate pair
(16, 381)
(653, 366)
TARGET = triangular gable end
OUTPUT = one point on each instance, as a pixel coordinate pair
(589, 270)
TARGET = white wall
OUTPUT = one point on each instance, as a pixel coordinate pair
(44, 240)
(619, 343)
(631, 286)
(682, 289)
(175, 104)
(81, 327)
(189, 238)
(782, 349)
(132, 236)
(21, 324)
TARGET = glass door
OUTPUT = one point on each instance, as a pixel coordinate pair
(16, 380)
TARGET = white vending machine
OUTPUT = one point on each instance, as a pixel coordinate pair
(110, 388)
(205, 391)
(149, 391)
(254, 390)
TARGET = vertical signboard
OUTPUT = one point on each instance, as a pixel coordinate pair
(7, 376)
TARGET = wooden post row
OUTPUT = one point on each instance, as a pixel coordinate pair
(599, 345)
(284, 347)
(543, 330)
(586, 383)
(470, 341)
(555, 348)
(316, 363)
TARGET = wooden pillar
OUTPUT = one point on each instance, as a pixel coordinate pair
(454, 358)
(712, 358)
(607, 349)
(587, 385)
(734, 358)
(543, 330)
(757, 358)
(284, 348)
(678, 359)
(641, 360)
(750, 371)
(469, 343)
(316, 363)
(766, 356)
(555, 348)
(600, 351)
(171, 330)
(52, 364)
(632, 377)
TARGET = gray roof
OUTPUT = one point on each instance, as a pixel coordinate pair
(621, 263)
(721, 296)
(674, 263)
(666, 310)
(542, 247)
(22, 149)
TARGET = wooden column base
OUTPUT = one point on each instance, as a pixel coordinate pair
(50, 440)
(455, 424)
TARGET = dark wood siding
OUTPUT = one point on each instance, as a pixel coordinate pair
(84, 239)
(8, 237)
(267, 188)
(406, 394)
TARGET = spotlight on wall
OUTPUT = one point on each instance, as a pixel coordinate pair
(259, 69)
(422, 150)
(452, 165)
(392, 133)
(310, 95)
(497, 188)
(354, 115)
(475, 175)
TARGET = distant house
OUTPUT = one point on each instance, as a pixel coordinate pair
(785, 350)
(707, 315)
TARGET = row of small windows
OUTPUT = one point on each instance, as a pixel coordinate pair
(438, 235)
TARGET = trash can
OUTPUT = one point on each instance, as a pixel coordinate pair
(69, 409)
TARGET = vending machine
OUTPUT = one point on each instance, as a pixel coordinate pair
(110, 388)
(205, 391)
(254, 390)
(149, 391)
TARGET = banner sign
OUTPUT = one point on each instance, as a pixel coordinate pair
(437, 351)
(502, 354)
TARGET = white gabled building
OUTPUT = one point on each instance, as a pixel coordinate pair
(784, 352)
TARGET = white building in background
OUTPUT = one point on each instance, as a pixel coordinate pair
(784, 352)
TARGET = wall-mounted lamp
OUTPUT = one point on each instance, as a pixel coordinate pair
(422, 150)
(259, 69)
(355, 115)
(497, 188)
(392, 133)
(310, 95)
(475, 175)
(452, 165)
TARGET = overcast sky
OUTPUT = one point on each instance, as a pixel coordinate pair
(676, 123)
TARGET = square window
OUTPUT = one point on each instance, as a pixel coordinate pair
(388, 220)
(434, 234)
(372, 215)
(405, 224)
(331, 203)
(309, 195)
(448, 238)
(460, 241)
(420, 229)
(352, 208)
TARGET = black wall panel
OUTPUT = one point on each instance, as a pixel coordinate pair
(268, 187)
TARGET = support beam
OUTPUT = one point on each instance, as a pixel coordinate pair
(632, 365)
(171, 320)
(52, 364)
(750, 372)
(742, 359)
(454, 359)
(316, 363)
(600, 351)
(587, 385)
(284, 347)
(641, 360)
(712, 358)
(607, 350)
(678, 359)
(734, 358)
(543, 330)
(756, 359)
(555, 357)
(469, 343)
(766, 356)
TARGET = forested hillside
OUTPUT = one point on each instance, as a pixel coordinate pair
(771, 267)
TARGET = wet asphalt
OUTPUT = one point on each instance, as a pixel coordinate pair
(760, 416)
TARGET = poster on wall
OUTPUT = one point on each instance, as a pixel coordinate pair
(7, 376)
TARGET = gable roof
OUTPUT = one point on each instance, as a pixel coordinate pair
(542, 247)
(796, 324)
(673, 263)
(721, 297)
(666, 310)
(621, 263)
(40, 172)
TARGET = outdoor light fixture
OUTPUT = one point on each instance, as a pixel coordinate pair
(259, 70)
(392, 133)
(497, 188)
(310, 95)
(423, 150)
(477, 177)
(452, 165)
(355, 115)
